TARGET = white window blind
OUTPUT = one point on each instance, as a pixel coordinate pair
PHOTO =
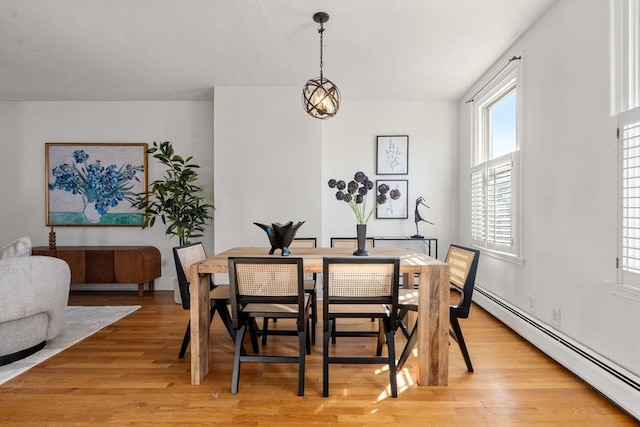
(478, 205)
(630, 191)
(492, 203)
(499, 203)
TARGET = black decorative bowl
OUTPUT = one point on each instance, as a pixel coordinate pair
(280, 235)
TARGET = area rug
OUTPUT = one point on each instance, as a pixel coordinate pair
(79, 323)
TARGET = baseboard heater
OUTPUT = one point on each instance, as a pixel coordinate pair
(624, 378)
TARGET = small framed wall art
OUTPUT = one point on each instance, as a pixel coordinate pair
(94, 183)
(398, 208)
(392, 155)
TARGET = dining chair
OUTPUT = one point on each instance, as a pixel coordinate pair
(309, 287)
(271, 288)
(184, 256)
(351, 242)
(360, 288)
(463, 264)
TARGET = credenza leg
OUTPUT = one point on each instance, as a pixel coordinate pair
(140, 289)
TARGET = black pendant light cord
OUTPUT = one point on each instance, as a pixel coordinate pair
(321, 31)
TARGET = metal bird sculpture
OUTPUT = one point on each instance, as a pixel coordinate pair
(417, 217)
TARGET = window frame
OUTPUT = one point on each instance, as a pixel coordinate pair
(626, 66)
(625, 275)
(508, 81)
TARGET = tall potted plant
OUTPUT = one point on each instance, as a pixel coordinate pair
(175, 198)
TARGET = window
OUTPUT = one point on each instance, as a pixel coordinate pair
(627, 45)
(629, 205)
(626, 25)
(495, 167)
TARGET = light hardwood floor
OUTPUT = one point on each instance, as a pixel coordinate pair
(129, 374)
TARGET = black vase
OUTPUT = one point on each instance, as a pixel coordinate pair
(361, 233)
(280, 235)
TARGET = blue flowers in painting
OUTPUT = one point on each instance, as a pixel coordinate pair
(104, 186)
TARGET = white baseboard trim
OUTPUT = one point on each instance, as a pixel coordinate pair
(616, 383)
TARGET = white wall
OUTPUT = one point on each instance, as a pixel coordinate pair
(273, 164)
(568, 185)
(267, 165)
(25, 127)
(349, 145)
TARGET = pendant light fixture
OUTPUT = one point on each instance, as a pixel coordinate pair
(320, 97)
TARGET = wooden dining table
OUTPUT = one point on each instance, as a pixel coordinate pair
(433, 314)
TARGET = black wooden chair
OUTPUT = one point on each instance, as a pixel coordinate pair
(351, 242)
(184, 256)
(361, 288)
(269, 288)
(463, 264)
(309, 287)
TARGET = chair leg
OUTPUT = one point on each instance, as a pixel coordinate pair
(185, 341)
(303, 343)
(325, 358)
(381, 338)
(265, 329)
(308, 343)
(334, 327)
(391, 347)
(411, 343)
(402, 313)
(235, 379)
(253, 328)
(226, 320)
(187, 335)
(456, 334)
(314, 316)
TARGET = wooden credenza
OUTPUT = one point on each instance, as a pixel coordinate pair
(109, 264)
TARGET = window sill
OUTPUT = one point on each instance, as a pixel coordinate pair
(513, 259)
(622, 290)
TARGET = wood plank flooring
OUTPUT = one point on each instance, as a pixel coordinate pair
(129, 374)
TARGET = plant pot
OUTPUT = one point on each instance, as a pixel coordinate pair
(361, 233)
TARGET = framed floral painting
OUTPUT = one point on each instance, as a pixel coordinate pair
(94, 183)
(397, 204)
(392, 155)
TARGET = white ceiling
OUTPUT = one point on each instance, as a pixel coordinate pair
(181, 49)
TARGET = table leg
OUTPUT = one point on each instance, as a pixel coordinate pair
(433, 325)
(199, 315)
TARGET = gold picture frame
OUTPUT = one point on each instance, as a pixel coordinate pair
(92, 183)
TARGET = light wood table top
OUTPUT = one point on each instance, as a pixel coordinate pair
(433, 316)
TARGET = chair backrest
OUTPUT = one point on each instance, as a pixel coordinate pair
(361, 281)
(303, 242)
(184, 256)
(463, 264)
(266, 281)
(350, 242)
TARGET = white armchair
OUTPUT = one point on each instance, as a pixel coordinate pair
(34, 291)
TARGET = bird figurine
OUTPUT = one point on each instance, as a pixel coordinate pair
(418, 218)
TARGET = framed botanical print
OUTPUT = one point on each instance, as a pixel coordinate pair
(94, 183)
(394, 207)
(392, 155)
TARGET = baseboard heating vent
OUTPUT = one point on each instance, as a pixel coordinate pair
(542, 328)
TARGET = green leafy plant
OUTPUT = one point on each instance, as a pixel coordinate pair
(175, 198)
